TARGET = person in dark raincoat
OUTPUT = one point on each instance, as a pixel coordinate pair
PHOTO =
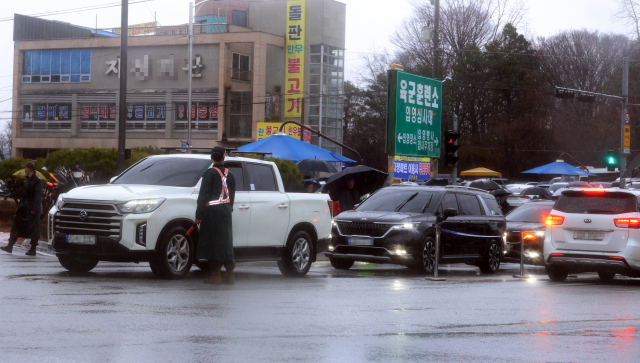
(26, 221)
(77, 180)
(213, 213)
(349, 196)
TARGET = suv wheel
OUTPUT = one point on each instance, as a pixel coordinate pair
(341, 263)
(175, 255)
(606, 275)
(491, 261)
(75, 264)
(426, 261)
(296, 261)
(556, 273)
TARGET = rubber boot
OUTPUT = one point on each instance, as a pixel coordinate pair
(215, 278)
(32, 250)
(229, 278)
(8, 248)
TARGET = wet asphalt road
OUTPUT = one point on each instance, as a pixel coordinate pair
(374, 313)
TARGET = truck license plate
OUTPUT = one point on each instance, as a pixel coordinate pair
(81, 239)
(360, 241)
(588, 236)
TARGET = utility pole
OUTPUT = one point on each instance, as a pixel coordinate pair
(122, 72)
(625, 99)
(190, 77)
(436, 39)
(454, 171)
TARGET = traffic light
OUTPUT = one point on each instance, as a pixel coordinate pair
(612, 161)
(586, 97)
(564, 93)
(450, 148)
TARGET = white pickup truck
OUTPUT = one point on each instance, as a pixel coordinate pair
(144, 214)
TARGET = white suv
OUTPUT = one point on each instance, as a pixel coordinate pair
(594, 230)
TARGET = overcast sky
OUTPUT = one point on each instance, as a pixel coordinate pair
(370, 23)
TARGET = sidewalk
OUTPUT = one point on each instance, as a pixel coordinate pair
(23, 245)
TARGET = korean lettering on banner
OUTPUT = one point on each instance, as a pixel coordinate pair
(276, 105)
(412, 170)
(294, 75)
(97, 112)
(267, 105)
(52, 112)
(266, 129)
(200, 111)
(307, 136)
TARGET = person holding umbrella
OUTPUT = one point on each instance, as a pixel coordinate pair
(501, 197)
(26, 221)
(349, 196)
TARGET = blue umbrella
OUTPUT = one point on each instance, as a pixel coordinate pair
(286, 147)
(559, 168)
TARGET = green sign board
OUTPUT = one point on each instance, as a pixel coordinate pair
(415, 114)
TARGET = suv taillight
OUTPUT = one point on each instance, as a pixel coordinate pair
(555, 220)
(627, 223)
(330, 203)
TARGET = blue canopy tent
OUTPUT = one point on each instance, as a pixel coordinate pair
(286, 147)
(558, 168)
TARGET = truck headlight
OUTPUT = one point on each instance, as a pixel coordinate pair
(140, 205)
(60, 202)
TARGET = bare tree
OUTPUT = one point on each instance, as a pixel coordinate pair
(629, 12)
(5, 140)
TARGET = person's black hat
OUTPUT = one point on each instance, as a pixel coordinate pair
(78, 167)
(30, 164)
(218, 152)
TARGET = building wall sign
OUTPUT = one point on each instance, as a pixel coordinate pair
(294, 75)
(139, 29)
(415, 113)
(412, 168)
(266, 129)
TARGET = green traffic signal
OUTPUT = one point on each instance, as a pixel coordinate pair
(611, 160)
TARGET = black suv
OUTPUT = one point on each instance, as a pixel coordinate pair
(397, 225)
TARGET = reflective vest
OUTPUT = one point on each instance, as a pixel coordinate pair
(224, 194)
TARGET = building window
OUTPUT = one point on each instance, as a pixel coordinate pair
(46, 116)
(240, 114)
(55, 66)
(149, 116)
(241, 67)
(98, 116)
(204, 116)
(239, 18)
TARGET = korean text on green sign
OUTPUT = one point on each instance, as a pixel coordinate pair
(415, 113)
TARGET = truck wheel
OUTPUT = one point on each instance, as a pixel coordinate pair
(491, 261)
(75, 264)
(606, 275)
(341, 263)
(556, 273)
(425, 261)
(296, 261)
(175, 255)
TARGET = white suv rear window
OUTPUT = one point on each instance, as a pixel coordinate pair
(596, 202)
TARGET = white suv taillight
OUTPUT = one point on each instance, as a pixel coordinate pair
(555, 220)
(627, 223)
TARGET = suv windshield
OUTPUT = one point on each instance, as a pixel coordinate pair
(596, 202)
(396, 200)
(173, 172)
(536, 213)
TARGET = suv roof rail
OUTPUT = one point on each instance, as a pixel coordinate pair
(467, 188)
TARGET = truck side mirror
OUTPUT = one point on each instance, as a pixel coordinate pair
(450, 212)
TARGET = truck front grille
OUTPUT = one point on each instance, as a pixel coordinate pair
(363, 229)
(102, 220)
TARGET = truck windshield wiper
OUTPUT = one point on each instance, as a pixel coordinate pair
(405, 202)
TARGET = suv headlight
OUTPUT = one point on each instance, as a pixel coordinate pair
(60, 202)
(140, 205)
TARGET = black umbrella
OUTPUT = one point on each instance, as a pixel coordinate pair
(485, 184)
(367, 180)
(499, 192)
(536, 191)
(308, 166)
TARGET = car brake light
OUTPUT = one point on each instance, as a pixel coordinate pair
(529, 235)
(330, 203)
(593, 190)
(557, 254)
(336, 208)
(617, 257)
(555, 220)
(627, 223)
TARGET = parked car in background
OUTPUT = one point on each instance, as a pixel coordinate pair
(545, 185)
(397, 226)
(593, 230)
(556, 186)
(529, 222)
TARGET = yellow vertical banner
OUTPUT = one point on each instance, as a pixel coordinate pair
(294, 75)
(627, 139)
